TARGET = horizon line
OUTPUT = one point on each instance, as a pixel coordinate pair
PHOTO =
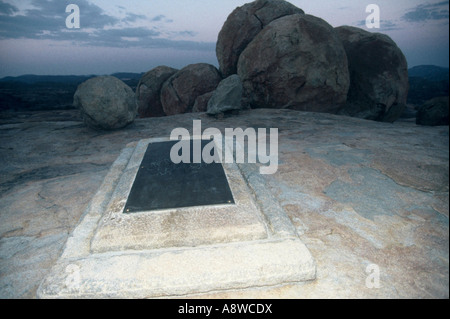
(143, 72)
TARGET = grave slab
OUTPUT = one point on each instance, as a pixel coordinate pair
(126, 248)
(162, 184)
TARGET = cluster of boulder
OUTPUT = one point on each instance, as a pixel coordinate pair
(271, 55)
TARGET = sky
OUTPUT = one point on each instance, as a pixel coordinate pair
(138, 35)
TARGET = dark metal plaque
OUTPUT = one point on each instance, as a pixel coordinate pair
(162, 184)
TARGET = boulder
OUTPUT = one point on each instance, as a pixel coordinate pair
(180, 91)
(201, 103)
(434, 112)
(149, 89)
(106, 103)
(295, 62)
(379, 75)
(227, 96)
(241, 27)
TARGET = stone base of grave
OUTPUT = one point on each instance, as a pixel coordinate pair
(177, 252)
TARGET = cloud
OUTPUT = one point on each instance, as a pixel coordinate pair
(385, 25)
(158, 18)
(425, 12)
(162, 18)
(46, 20)
(49, 17)
(186, 33)
(141, 38)
(7, 9)
(131, 17)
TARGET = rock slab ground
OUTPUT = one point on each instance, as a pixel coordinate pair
(359, 193)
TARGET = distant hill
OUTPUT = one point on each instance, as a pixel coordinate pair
(427, 82)
(429, 72)
(128, 76)
(48, 92)
(33, 79)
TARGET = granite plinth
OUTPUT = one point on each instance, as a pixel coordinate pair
(176, 251)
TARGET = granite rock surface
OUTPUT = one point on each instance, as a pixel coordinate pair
(361, 194)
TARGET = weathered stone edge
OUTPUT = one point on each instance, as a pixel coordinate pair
(181, 272)
(78, 244)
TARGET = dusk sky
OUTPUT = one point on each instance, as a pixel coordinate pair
(135, 36)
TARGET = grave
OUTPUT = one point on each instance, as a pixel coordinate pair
(159, 229)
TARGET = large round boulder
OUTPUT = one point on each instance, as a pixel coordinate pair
(295, 62)
(241, 27)
(181, 90)
(106, 103)
(379, 75)
(149, 89)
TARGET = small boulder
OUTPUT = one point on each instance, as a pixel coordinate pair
(295, 62)
(242, 26)
(379, 81)
(149, 89)
(106, 103)
(227, 96)
(434, 112)
(201, 103)
(180, 91)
